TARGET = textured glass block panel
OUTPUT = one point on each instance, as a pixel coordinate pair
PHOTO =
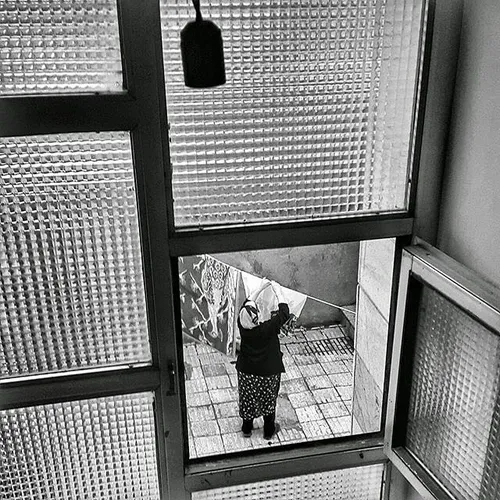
(361, 483)
(97, 449)
(71, 281)
(51, 46)
(315, 119)
(454, 405)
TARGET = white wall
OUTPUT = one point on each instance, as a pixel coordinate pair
(469, 228)
(469, 223)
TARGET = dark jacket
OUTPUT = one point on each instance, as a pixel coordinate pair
(260, 352)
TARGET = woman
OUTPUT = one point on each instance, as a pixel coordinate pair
(259, 362)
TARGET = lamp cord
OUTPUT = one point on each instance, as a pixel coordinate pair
(196, 5)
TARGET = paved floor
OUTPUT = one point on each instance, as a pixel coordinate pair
(314, 402)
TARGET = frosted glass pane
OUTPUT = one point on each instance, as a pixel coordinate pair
(314, 121)
(71, 280)
(454, 404)
(50, 46)
(361, 483)
(97, 449)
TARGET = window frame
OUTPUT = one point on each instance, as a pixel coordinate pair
(141, 109)
(424, 265)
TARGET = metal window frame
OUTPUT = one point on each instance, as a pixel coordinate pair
(424, 265)
(137, 109)
(141, 110)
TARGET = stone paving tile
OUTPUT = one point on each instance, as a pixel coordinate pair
(196, 385)
(236, 442)
(304, 359)
(293, 386)
(308, 413)
(207, 428)
(317, 429)
(198, 399)
(290, 435)
(341, 379)
(225, 410)
(295, 348)
(311, 335)
(218, 382)
(330, 358)
(195, 373)
(348, 363)
(201, 413)
(319, 382)
(209, 445)
(192, 360)
(287, 339)
(326, 395)
(224, 395)
(203, 348)
(209, 358)
(301, 399)
(192, 448)
(214, 370)
(340, 426)
(229, 425)
(311, 370)
(333, 332)
(291, 373)
(233, 378)
(334, 409)
(334, 367)
(345, 392)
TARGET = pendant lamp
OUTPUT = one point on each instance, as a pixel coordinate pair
(202, 53)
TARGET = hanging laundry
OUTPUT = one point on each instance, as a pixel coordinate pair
(207, 296)
(211, 294)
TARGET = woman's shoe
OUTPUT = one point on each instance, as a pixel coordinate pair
(247, 428)
(276, 430)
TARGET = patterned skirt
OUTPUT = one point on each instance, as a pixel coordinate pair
(257, 394)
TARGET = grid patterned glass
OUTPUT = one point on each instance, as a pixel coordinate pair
(454, 398)
(97, 449)
(52, 46)
(361, 483)
(71, 280)
(314, 121)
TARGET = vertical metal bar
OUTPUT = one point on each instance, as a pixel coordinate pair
(420, 95)
(141, 34)
(165, 126)
(404, 278)
(436, 115)
(396, 274)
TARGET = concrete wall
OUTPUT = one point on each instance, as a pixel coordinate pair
(328, 272)
(376, 261)
(469, 224)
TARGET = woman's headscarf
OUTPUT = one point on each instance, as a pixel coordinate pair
(249, 315)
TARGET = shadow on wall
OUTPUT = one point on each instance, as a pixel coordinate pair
(327, 272)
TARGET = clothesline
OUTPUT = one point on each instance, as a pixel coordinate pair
(342, 308)
(333, 305)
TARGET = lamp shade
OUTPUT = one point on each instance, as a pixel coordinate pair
(202, 54)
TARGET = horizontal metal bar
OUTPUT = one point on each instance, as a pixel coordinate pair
(279, 464)
(261, 237)
(31, 391)
(417, 475)
(35, 115)
(461, 285)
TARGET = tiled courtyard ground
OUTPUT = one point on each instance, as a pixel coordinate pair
(314, 402)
